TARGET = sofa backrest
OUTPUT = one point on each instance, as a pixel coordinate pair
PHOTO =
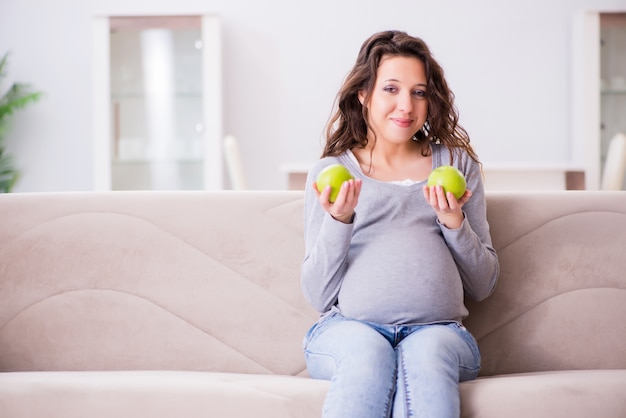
(210, 281)
(152, 280)
(560, 302)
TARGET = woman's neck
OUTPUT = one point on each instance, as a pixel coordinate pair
(395, 162)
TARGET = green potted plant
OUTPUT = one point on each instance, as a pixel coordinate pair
(16, 97)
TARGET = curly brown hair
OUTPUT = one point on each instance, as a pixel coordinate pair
(347, 128)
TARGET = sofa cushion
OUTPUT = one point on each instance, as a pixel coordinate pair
(173, 394)
(571, 394)
(159, 394)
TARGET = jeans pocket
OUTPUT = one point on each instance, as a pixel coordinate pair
(471, 364)
(316, 328)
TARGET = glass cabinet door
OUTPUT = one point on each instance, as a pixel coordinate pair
(157, 103)
(156, 99)
(612, 81)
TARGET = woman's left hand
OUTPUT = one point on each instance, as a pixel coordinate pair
(447, 207)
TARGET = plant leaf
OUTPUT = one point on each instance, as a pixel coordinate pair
(17, 97)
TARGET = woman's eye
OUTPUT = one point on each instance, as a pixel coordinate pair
(390, 89)
(419, 93)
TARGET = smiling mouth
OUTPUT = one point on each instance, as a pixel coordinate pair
(403, 123)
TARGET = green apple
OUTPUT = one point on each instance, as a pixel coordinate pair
(449, 178)
(334, 176)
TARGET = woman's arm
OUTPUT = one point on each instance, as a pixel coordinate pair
(470, 244)
(327, 243)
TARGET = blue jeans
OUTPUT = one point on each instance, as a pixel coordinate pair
(382, 371)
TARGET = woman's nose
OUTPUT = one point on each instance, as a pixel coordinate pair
(405, 102)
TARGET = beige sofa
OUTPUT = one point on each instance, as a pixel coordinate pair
(187, 304)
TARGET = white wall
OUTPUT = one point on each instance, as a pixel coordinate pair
(508, 63)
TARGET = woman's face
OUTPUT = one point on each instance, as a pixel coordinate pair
(398, 106)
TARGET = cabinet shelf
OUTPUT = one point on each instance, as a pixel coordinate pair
(613, 90)
(122, 96)
(147, 161)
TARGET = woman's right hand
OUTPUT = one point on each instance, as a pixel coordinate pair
(343, 207)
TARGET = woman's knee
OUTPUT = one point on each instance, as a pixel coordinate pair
(448, 346)
(351, 345)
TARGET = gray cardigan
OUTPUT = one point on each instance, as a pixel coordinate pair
(395, 264)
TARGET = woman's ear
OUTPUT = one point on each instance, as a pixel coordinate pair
(361, 97)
